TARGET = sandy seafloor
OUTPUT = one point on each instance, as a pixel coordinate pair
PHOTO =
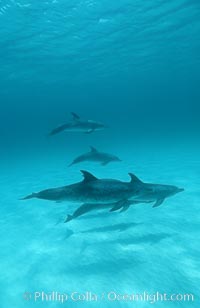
(143, 249)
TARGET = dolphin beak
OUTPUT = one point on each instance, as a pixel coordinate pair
(180, 189)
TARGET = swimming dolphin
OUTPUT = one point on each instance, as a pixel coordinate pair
(91, 190)
(78, 125)
(156, 193)
(95, 156)
(88, 207)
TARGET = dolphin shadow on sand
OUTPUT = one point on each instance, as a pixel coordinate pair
(117, 227)
(151, 239)
(107, 265)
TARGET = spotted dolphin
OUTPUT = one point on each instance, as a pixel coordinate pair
(156, 193)
(91, 190)
(95, 156)
(78, 125)
(89, 207)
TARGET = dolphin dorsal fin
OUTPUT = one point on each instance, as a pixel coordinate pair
(88, 177)
(75, 116)
(93, 149)
(135, 179)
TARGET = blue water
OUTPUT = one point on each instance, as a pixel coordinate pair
(133, 65)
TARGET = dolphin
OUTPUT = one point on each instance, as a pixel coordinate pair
(78, 125)
(156, 193)
(88, 207)
(92, 190)
(95, 156)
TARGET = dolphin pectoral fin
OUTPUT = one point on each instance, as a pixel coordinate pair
(158, 202)
(117, 206)
(83, 209)
(125, 208)
(69, 218)
(89, 131)
(127, 204)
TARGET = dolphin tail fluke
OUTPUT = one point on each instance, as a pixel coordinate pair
(69, 218)
(33, 195)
